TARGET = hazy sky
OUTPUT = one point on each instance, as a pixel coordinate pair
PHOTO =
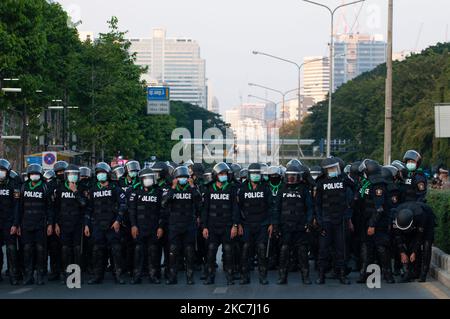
(228, 31)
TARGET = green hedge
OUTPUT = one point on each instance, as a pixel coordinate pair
(439, 200)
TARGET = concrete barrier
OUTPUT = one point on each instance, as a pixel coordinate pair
(440, 266)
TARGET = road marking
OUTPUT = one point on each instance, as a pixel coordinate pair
(220, 290)
(438, 293)
(20, 291)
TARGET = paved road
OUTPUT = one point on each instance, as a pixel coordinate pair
(294, 290)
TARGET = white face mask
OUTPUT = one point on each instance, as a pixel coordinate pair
(2, 175)
(35, 177)
(147, 182)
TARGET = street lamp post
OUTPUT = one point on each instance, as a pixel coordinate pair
(283, 95)
(332, 12)
(299, 68)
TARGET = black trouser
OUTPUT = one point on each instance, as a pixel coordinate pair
(255, 237)
(181, 237)
(54, 252)
(220, 235)
(333, 237)
(378, 244)
(34, 244)
(106, 239)
(71, 237)
(295, 239)
(147, 246)
(12, 252)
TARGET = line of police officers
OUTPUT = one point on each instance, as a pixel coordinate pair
(125, 219)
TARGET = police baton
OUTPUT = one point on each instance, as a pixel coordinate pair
(268, 247)
(17, 243)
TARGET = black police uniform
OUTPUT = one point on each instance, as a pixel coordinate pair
(333, 204)
(144, 207)
(258, 212)
(9, 195)
(182, 205)
(35, 213)
(106, 205)
(69, 215)
(220, 213)
(296, 212)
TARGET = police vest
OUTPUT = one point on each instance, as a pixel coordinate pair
(105, 206)
(221, 204)
(182, 206)
(293, 207)
(70, 210)
(34, 201)
(334, 199)
(412, 187)
(6, 203)
(254, 204)
(148, 205)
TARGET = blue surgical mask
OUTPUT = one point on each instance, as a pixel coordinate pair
(266, 177)
(102, 177)
(255, 178)
(333, 174)
(72, 178)
(411, 166)
(132, 174)
(223, 178)
(182, 180)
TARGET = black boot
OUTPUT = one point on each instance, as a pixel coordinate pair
(304, 264)
(41, 263)
(54, 247)
(28, 253)
(172, 273)
(66, 261)
(190, 255)
(154, 262)
(284, 262)
(343, 278)
(262, 264)
(321, 279)
(138, 264)
(228, 263)
(406, 277)
(426, 260)
(13, 262)
(118, 266)
(364, 264)
(98, 255)
(245, 264)
(210, 264)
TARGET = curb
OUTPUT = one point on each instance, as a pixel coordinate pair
(440, 266)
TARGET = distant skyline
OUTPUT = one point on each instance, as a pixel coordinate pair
(228, 32)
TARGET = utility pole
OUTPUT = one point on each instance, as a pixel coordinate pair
(388, 97)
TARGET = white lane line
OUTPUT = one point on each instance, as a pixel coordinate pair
(20, 291)
(220, 290)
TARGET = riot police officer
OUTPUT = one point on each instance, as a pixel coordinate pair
(296, 213)
(258, 213)
(69, 205)
(375, 235)
(147, 226)
(35, 217)
(413, 228)
(9, 195)
(220, 219)
(182, 202)
(275, 184)
(54, 242)
(105, 211)
(416, 181)
(333, 204)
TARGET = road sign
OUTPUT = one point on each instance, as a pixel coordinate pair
(48, 160)
(158, 100)
(34, 160)
(442, 120)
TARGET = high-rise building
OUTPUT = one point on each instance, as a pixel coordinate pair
(174, 62)
(356, 54)
(291, 107)
(316, 77)
(86, 35)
